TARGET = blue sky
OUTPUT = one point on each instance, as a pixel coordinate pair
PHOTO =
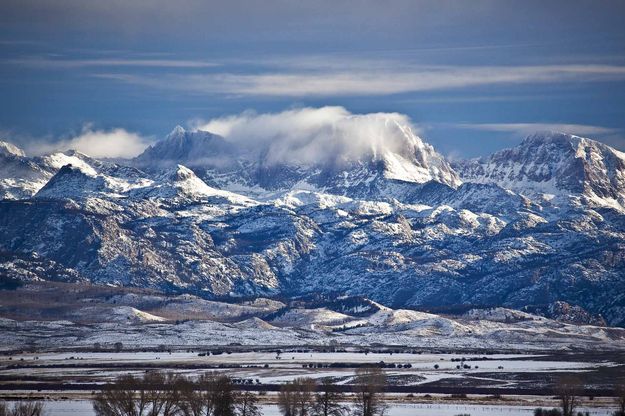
(473, 76)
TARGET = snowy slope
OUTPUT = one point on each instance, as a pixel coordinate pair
(404, 158)
(556, 165)
(22, 176)
(529, 227)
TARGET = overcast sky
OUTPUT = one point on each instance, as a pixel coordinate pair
(473, 76)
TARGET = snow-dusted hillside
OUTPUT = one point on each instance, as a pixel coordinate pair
(536, 227)
(494, 329)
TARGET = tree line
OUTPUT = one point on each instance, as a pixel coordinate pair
(26, 408)
(569, 391)
(213, 394)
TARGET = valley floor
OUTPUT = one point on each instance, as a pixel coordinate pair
(265, 369)
(62, 342)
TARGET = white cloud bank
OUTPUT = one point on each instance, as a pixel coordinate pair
(369, 78)
(313, 135)
(113, 143)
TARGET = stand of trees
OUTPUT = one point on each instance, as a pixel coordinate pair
(212, 394)
(296, 397)
(620, 400)
(568, 390)
(168, 394)
(369, 385)
(33, 408)
(303, 397)
(329, 400)
(158, 394)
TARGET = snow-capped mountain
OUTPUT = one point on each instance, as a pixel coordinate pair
(556, 166)
(376, 172)
(8, 149)
(22, 176)
(197, 213)
(189, 148)
(180, 185)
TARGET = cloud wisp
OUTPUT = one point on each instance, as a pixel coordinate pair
(316, 135)
(113, 143)
(384, 80)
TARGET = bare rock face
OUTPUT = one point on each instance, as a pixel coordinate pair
(541, 225)
(565, 312)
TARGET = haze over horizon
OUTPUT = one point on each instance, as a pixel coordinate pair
(472, 77)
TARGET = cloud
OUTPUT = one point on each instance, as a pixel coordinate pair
(528, 128)
(360, 79)
(315, 135)
(114, 143)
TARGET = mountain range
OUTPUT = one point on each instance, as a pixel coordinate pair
(539, 227)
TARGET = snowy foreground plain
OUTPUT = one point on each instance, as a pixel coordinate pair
(83, 408)
(408, 369)
(419, 382)
(65, 347)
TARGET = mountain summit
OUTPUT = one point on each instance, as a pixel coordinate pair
(8, 149)
(188, 148)
(378, 163)
(555, 165)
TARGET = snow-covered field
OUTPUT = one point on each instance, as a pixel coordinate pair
(496, 370)
(418, 362)
(83, 408)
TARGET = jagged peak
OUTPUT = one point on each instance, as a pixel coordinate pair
(180, 134)
(557, 138)
(180, 182)
(71, 169)
(11, 149)
(565, 140)
(549, 136)
(76, 153)
(177, 131)
(556, 164)
(186, 181)
(184, 172)
(186, 147)
(547, 146)
(72, 181)
(180, 173)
